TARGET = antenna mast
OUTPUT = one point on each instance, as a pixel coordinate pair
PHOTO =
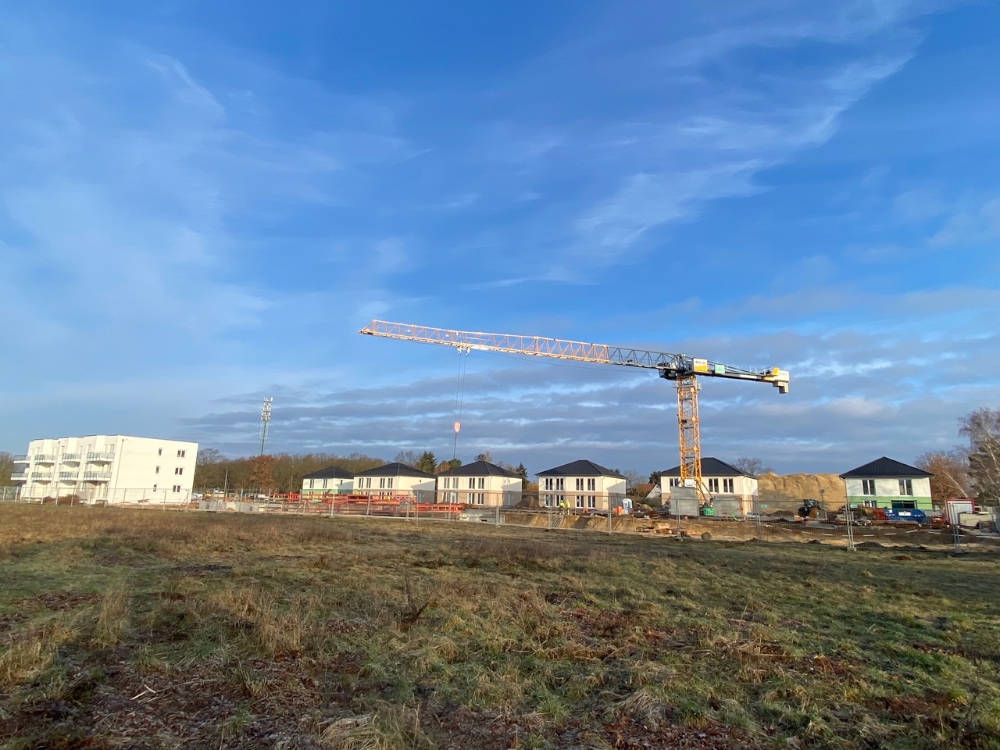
(265, 419)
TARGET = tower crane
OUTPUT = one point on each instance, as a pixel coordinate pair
(680, 368)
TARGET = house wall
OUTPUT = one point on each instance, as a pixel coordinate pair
(744, 489)
(110, 468)
(367, 485)
(494, 490)
(887, 492)
(328, 486)
(607, 491)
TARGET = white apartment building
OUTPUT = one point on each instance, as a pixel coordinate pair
(479, 483)
(107, 468)
(395, 479)
(582, 485)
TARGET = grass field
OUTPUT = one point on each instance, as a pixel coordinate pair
(164, 629)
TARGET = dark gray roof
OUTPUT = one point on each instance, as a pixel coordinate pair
(394, 470)
(711, 467)
(330, 472)
(479, 469)
(581, 468)
(885, 467)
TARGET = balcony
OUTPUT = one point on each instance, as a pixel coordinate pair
(97, 476)
(44, 458)
(71, 458)
(96, 457)
(21, 459)
(19, 476)
(68, 475)
(41, 476)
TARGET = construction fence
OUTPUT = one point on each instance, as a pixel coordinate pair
(619, 514)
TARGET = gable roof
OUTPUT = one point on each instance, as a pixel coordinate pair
(711, 467)
(330, 472)
(479, 469)
(581, 468)
(885, 467)
(394, 469)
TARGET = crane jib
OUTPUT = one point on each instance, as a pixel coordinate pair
(670, 366)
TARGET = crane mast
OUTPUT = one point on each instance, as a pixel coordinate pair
(680, 368)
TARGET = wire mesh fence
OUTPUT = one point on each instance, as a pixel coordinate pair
(723, 518)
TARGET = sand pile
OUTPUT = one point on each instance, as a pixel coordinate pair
(793, 488)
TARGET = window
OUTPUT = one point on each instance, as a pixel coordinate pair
(548, 501)
(368, 483)
(675, 481)
(592, 484)
(309, 484)
(444, 482)
(906, 487)
(713, 484)
(159, 451)
(867, 486)
(871, 503)
(560, 483)
(480, 498)
(903, 504)
(324, 484)
(453, 497)
(154, 488)
(389, 483)
(157, 470)
(472, 483)
(579, 501)
(381, 483)
(178, 471)
(482, 483)
(727, 485)
(579, 483)
(177, 488)
(548, 483)
(591, 502)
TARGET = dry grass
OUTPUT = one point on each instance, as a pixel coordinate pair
(121, 626)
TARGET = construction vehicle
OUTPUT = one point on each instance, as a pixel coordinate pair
(680, 368)
(812, 510)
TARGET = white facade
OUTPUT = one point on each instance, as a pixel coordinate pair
(327, 486)
(580, 492)
(107, 468)
(740, 488)
(389, 485)
(889, 492)
(484, 490)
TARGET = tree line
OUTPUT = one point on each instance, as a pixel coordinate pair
(284, 472)
(971, 469)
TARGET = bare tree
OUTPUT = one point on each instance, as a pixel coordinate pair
(951, 474)
(982, 428)
(752, 466)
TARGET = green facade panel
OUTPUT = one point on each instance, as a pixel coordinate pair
(921, 503)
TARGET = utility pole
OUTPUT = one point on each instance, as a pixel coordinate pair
(265, 419)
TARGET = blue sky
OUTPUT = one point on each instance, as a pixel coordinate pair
(201, 204)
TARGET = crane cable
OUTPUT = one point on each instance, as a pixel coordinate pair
(459, 397)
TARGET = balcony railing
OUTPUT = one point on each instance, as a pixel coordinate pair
(19, 476)
(97, 476)
(44, 458)
(21, 459)
(97, 456)
(67, 475)
(43, 476)
(71, 457)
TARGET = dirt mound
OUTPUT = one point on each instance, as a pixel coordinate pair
(793, 488)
